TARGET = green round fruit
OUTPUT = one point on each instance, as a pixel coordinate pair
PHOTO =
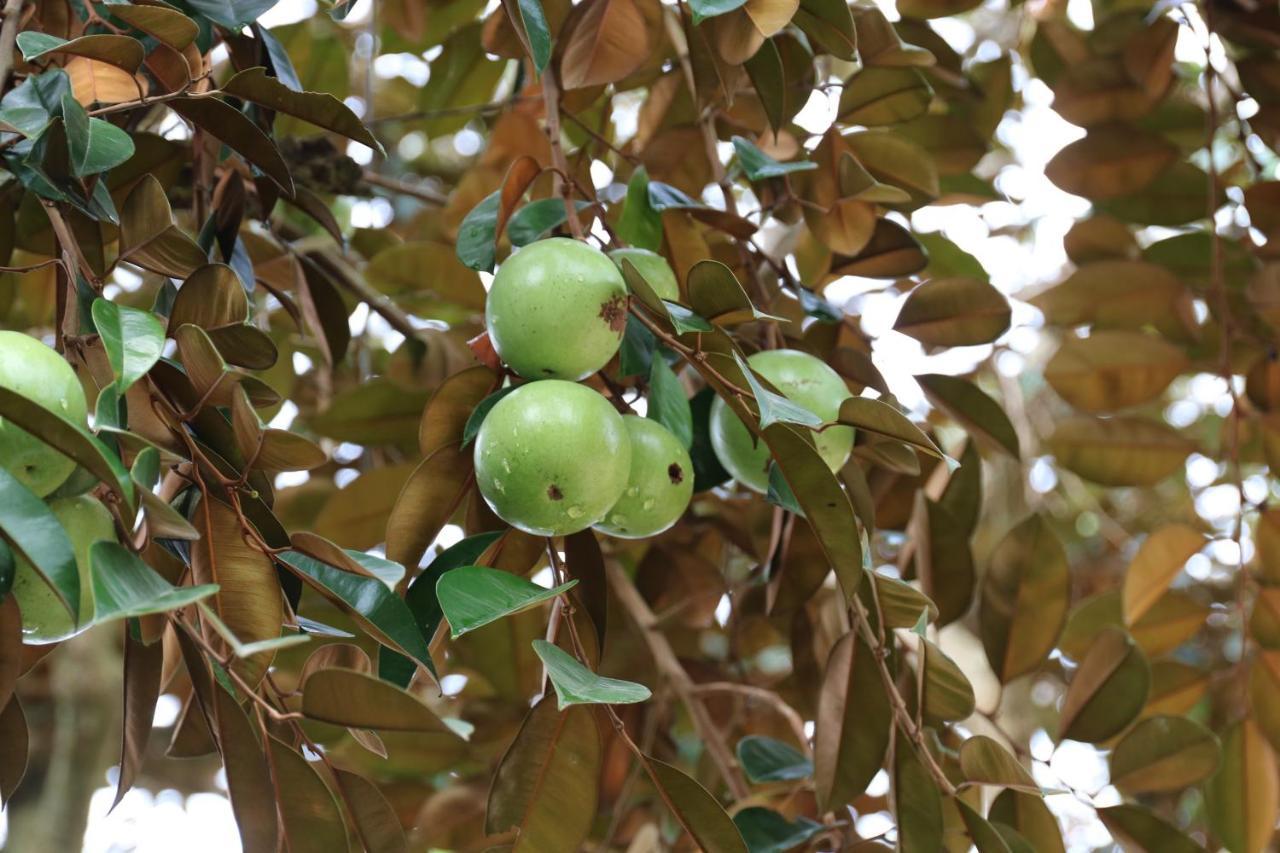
(44, 619)
(658, 487)
(552, 457)
(557, 310)
(653, 267)
(41, 375)
(802, 379)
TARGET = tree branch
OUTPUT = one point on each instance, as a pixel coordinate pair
(669, 666)
(551, 100)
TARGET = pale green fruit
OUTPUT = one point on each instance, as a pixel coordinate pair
(557, 310)
(41, 375)
(552, 457)
(44, 619)
(659, 486)
(802, 379)
(653, 267)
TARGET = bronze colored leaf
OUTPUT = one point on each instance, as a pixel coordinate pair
(609, 41)
(312, 819)
(451, 404)
(707, 823)
(248, 776)
(142, 666)
(949, 312)
(10, 647)
(248, 600)
(211, 296)
(96, 82)
(853, 724)
(375, 822)
(1164, 754)
(1110, 161)
(232, 128)
(1112, 294)
(1119, 451)
(1138, 830)
(1264, 694)
(13, 760)
(1107, 690)
(1025, 594)
(891, 252)
(345, 697)
(1112, 370)
(149, 237)
(943, 559)
(430, 496)
(547, 784)
(1159, 560)
(880, 96)
(986, 762)
(356, 515)
(917, 802)
(980, 415)
(1028, 814)
(948, 695)
(1243, 798)
(1176, 688)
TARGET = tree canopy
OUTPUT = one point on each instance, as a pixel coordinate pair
(266, 255)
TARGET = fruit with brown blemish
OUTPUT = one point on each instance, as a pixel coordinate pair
(801, 378)
(653, 268)
(552, 457)
(557, 310)
(658, 487)
(40, 374)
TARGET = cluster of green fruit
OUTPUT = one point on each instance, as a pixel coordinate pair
(553, 457)
(40, 374)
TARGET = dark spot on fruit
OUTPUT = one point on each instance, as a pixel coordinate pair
(548, 371)
(676, 473)
(553, 492)
(614, 314)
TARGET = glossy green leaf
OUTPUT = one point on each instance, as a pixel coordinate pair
(774, 408)
(759, 166)
(765, 831)
(577, 685)
(134, 340)
(70, 439)
(34, 534)
(474, 596)
(94, 145)
(667, 402)
(766, 759)
(124, 586)
(379, 611)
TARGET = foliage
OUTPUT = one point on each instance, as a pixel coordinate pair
(262, 256)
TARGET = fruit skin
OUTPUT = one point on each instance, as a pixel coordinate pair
(802, 379)
(38, 373)
(557, 310)
(653, 267)
(552, 457)
(658, 487)
(44, 619)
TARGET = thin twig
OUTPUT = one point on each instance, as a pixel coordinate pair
(551, 99)
(669, 666)
(421, 193)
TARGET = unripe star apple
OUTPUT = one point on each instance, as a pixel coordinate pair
(43, 376)
(653, 267)
(557, 310)
(801, 378)
(659, 486)
(552, 457)
(44, 618)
